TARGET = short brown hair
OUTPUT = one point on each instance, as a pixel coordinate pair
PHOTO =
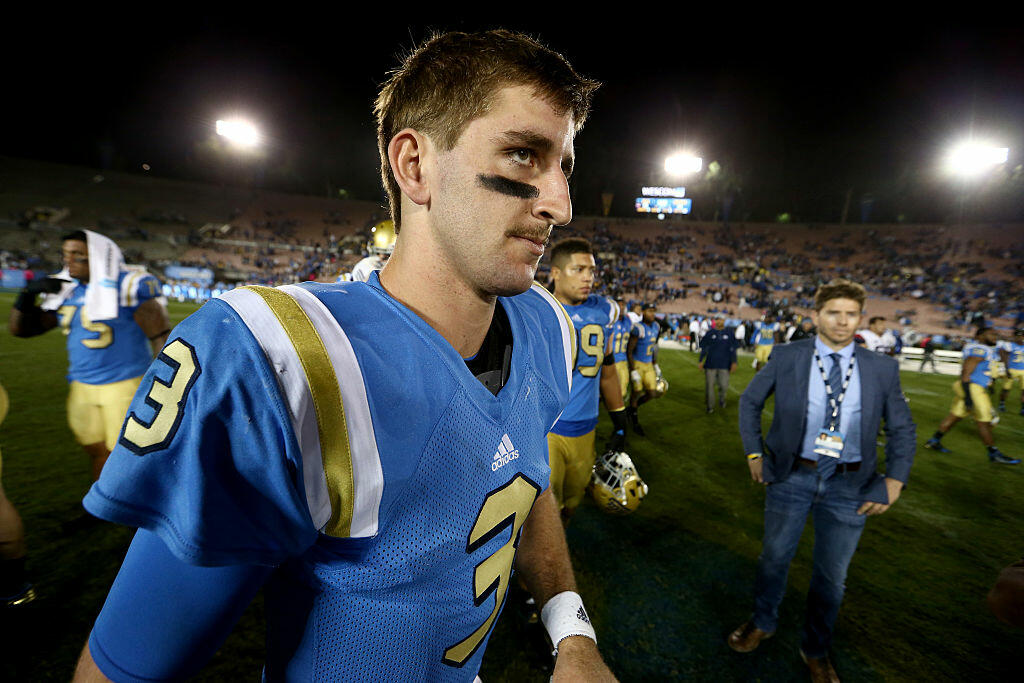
(839, 289)
(451, 79)
(565, 248)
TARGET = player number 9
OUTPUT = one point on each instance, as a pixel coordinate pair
(592, 344)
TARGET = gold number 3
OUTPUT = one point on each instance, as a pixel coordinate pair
(507, 506)
(167, 399)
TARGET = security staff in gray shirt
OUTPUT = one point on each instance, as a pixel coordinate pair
(717, 359)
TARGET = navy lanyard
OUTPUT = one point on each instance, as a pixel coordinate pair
(835, 401)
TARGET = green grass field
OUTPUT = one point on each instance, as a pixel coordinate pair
(664, 586)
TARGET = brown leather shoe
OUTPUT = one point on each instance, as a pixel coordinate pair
(747, 637)
(820, 668)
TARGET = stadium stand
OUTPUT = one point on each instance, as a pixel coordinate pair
(939, 279)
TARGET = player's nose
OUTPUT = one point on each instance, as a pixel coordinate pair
(554, 206)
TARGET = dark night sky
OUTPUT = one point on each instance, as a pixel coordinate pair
(803, 114)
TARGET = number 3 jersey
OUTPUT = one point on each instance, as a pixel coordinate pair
(106, 351)
(594, 320)
(329, 431)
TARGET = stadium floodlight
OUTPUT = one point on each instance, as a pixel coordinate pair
(683, 164)
(239, 132)
(972, 158)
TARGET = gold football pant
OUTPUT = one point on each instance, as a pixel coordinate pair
(97, 411)
(572, 461)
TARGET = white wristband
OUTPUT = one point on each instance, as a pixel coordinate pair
(564, 616)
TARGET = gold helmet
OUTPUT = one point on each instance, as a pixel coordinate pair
(382, 238)
(660, 387)
(615, 484)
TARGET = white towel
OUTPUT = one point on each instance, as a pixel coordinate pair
(105, 264)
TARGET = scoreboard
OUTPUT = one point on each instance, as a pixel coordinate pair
(663, 205)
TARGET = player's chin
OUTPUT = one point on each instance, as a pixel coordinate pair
(514, 280)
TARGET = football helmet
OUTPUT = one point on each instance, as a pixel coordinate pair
(660, 383)
(382, 238)
(615, 484)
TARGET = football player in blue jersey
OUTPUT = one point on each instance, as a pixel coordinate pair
(981, 366)
(620, 340)
(642, 356)
(108, 353)
(372, 453)
(571, 440)
(1014, 369)
(765, 338)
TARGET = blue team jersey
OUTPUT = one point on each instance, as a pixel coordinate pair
(328, 430)
(593, 320)
(647, 340)
(620, 338)
(990, 366)
(765, 335)
(107, 351)
(1016, 353)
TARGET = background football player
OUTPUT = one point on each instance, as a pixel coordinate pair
(108, 350)
(380, 246)
(642, 356)
(1014, 369)
(765, 338)
(571, 440)
(374, 453)
(620, 340)
(981, 366)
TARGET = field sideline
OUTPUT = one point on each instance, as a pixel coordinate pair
(664, 586)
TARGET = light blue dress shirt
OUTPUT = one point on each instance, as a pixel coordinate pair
(817, 403)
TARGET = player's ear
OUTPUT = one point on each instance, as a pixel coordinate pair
(406, 154)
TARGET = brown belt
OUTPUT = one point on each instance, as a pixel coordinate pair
(841, 467)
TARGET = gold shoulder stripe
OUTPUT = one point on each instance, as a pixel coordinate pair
(330, 413)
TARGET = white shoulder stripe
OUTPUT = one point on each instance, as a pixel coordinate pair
(568, 332)
(291, 377)
(367, 472)
(129, 296)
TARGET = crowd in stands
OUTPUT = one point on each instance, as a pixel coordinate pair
(930, 275)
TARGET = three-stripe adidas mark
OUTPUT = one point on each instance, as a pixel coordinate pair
(506, 454)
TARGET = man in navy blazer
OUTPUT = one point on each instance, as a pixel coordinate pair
(819, 457)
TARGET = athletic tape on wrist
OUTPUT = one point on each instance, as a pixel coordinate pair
(564, 616)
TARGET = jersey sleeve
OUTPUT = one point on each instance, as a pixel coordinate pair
(147, 288)
(974, 350)
(207, 458)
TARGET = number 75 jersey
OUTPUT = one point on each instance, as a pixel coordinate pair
(329, 431)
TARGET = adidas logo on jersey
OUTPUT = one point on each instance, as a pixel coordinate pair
(506, 454)
(581, 614)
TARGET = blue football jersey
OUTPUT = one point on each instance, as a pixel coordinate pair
(328, 430)
(990, 366)
(620, 338)
(593, 320)
(1015, 352)
(765, 335)
(107, 351)
(647, 340)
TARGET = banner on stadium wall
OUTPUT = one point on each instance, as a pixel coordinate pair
(606, 202)
(13, 278)
(200, 275)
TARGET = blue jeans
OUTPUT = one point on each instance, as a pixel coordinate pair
(833, 503)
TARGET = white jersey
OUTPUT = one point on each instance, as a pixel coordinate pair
(361, 271)
(880, 343)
